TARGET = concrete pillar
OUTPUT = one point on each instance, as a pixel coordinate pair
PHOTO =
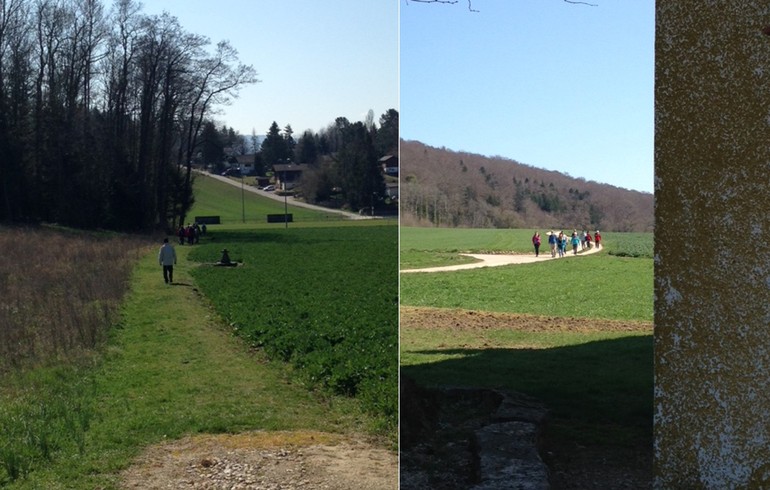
(712, 244)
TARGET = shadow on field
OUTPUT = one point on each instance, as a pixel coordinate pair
(607, 382)
(288, 236)
(599, 395)
(247, 236)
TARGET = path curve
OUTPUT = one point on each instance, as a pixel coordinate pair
(496, 260)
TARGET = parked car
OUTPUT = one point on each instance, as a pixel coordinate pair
(269, 188)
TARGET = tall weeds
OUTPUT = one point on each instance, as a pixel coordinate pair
(59, 291)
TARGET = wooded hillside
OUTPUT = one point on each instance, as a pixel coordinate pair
(440, 187)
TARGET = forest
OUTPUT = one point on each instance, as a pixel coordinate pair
(440, 187)
(101, 112)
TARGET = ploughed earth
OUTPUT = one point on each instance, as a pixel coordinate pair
(438, 445)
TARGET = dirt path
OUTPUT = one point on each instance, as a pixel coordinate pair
(265, 460)
(496, 260)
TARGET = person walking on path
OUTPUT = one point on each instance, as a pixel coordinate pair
(597, 240)
(561, 242)
(575, 242)
(552, 242)
(536, 243)
(167, 259)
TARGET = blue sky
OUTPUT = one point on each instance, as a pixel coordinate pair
(547, 83)
(317, 60)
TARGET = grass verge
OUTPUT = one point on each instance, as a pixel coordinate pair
(170, 368)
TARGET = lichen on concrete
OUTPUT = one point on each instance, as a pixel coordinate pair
(712, 257)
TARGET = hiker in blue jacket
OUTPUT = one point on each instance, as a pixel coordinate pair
(575, 242)
(552, 242)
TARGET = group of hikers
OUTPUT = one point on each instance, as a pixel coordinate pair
(190, 233)
(558, 242)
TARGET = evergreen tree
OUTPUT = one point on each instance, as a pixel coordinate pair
(387, 136)
(361, 178)
(306, 151)
(273, 147)
(212, 146)
(288, 138)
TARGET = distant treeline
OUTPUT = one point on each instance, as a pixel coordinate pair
(101, 112)
(343, 167)
(440, 187)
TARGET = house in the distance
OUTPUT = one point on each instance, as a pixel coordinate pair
(287, 175)
(389, 165)
(246, 164)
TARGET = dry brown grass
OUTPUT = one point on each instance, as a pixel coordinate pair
(60, 291)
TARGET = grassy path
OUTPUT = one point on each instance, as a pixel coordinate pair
(171, 368)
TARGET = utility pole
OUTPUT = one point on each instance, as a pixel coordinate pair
(285, 203)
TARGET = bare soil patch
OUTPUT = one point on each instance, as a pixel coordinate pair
(469, 320)
(265, 460)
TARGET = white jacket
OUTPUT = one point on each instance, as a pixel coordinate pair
(167, 255)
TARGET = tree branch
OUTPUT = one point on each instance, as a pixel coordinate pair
(451, 2)
(470, 4)
(583, 3)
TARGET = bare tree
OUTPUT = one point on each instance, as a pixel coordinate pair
(215, 81)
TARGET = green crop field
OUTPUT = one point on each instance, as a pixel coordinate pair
(324, 299)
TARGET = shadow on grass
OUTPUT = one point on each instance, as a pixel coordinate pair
(599, 389)
(299, 235)
(243, 236)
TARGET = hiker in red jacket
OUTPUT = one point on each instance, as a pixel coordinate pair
(536, 243)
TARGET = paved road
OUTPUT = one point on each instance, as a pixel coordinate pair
(496, 260)
(289, 199)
